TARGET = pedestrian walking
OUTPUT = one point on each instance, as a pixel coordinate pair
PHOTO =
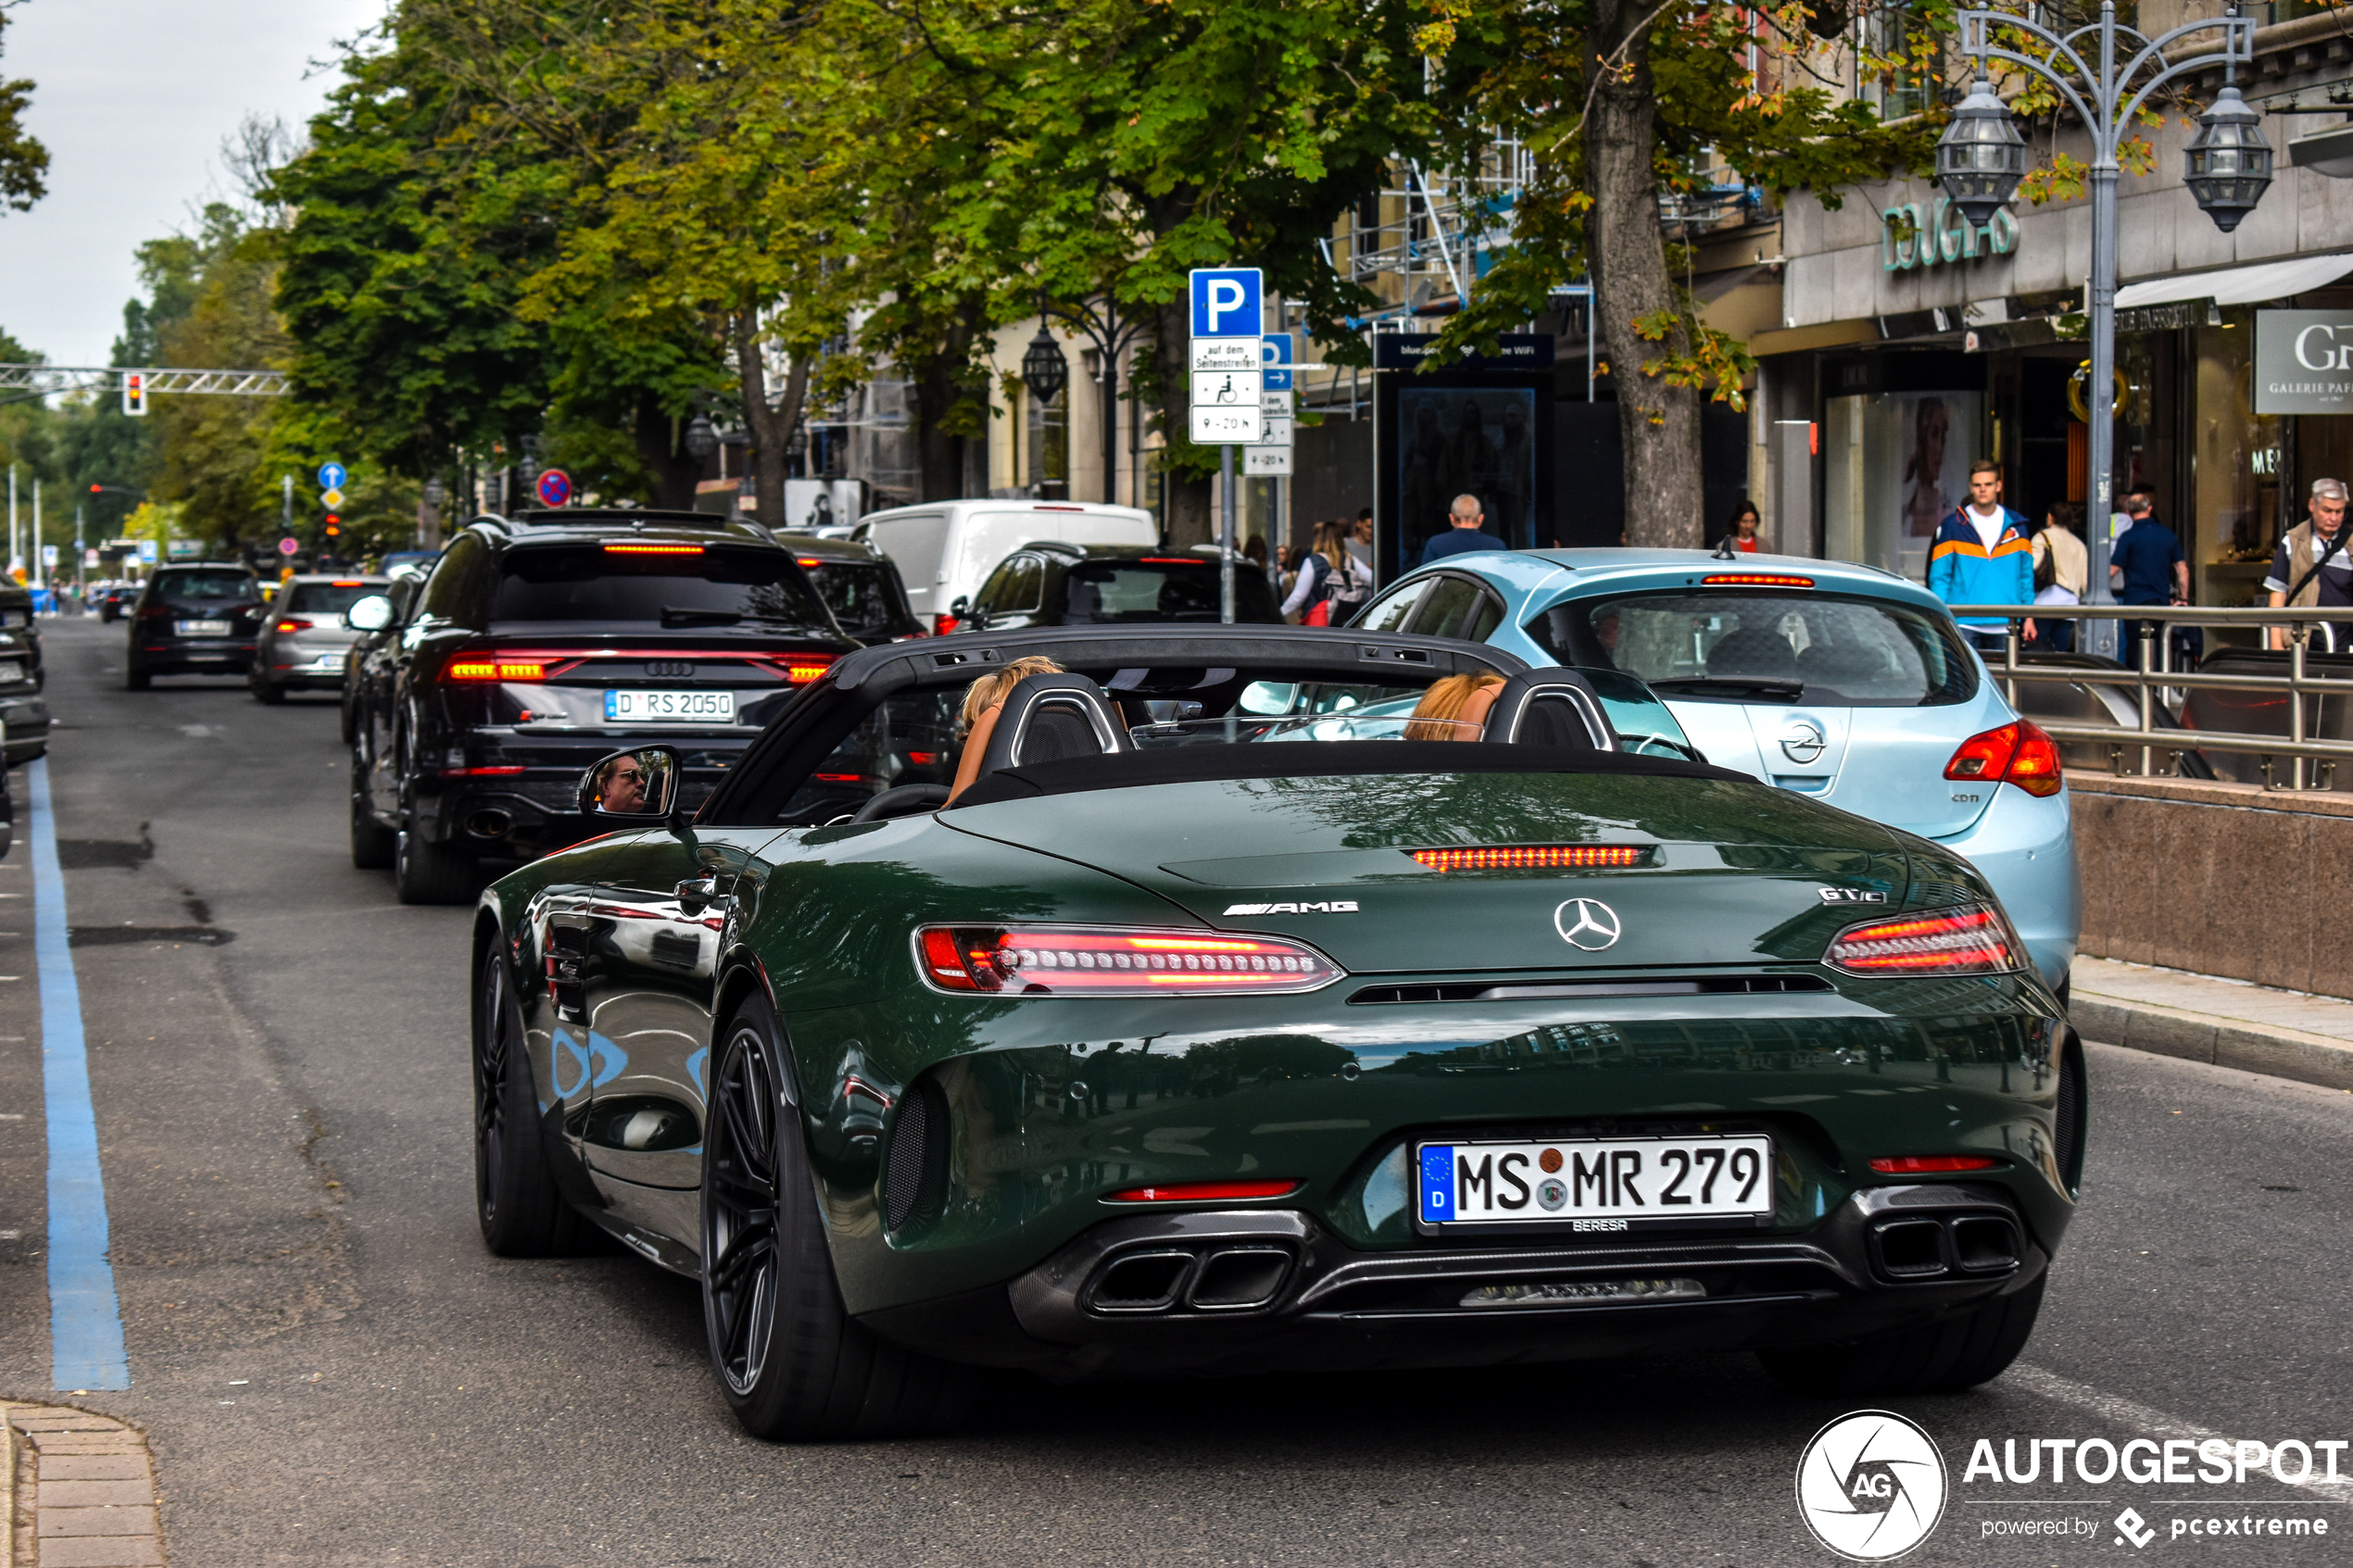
(1740, 530)
(2145, 566)
(1980, 554)
(1330, 584)
(2311, 568)
(2062, 573)
(1360, 539)
(1466, 515)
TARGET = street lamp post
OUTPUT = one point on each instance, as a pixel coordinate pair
(1981, 160)
(1044, 371)
(1101, 322)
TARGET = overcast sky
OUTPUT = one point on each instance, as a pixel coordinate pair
(132, 98)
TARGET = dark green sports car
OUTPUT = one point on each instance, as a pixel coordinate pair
(1262, 1003)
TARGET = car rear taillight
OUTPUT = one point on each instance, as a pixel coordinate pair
(943, 624)
(2017, 753)
(653, 550)
(1930, 1165)
(156, 612)
(1753, 580)
(291, 624)
(1525, 857)
(800, 672)
(480, 669)
(346, 583)
(1203, 1192)
(1031, 960)
(1966, 939)
(808, 563)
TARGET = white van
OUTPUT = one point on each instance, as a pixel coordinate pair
(945, 549)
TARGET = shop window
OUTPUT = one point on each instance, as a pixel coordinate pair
(1050, 446)
(1906, 35)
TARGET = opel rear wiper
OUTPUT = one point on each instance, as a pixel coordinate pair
(1766, 686)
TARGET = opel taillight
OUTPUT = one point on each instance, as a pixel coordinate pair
(2017, 753)
(942, 624)
(1965, 939)
(1030, 961)
(291, 624)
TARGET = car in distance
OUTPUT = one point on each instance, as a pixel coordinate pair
(1271, 1034)
(305, 640)
(860, 586)
(1842, 682)
(24, 713)
(201, 619)
(944, 549)
(542, 641)
(1052, 583)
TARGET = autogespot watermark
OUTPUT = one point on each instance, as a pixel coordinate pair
(1872, 1485)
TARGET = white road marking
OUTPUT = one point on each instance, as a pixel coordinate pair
(2127, 1412)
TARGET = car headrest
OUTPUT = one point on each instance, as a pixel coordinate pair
(1049, 716)
(1549, 707)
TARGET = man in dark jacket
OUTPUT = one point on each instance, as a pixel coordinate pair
(1465, 536)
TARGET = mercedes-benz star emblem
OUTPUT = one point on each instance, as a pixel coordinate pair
(1588, 923)
(1803, 743)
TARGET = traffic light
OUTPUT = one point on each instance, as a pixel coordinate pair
(134, 393)
(334, 525)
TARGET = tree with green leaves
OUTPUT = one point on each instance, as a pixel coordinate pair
(24, 162)
(1618, 100)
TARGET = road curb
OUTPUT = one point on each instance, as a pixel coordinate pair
(2222, 1042)
(77, 1491)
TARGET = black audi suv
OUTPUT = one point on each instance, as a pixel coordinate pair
(199, 619)
(544, 641)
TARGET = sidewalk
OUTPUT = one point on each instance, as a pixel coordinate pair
(2227, 1022)
(77, 1491)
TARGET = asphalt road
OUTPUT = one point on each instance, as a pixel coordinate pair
(334, 1371)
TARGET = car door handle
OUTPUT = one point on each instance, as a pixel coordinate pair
(698, 892)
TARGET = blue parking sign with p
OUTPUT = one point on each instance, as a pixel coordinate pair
(1274, 355)
(1225, 302)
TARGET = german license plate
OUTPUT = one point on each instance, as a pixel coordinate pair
(1589, 1185)
(201, 628)
(328, 663)
(10, 671)
(669, 707)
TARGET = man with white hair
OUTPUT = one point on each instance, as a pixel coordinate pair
(2313, 566)
(1465, 536)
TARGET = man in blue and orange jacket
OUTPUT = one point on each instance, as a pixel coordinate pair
(1981, 555)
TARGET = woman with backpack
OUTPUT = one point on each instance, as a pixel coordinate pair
(1331, 583)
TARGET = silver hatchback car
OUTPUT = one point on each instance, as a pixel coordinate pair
(304, 643)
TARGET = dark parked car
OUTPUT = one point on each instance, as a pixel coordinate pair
(1278, 1037)
(110, 599)
(541, 642)
(198, 619)
(1051, 583)
(859, 584)
(22, 708)
(401, 592)
(304, 639)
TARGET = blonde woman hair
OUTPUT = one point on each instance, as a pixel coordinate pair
(1328, 537)
(997, 684)
(1457, 699)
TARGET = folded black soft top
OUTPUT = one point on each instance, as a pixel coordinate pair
(1307, 760)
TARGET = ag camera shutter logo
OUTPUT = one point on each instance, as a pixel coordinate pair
(1872, 1485)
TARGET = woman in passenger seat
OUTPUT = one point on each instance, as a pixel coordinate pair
(1454, 709)
(984, 700)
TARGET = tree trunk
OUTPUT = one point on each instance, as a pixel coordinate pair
(770, 428)
(1659, 423)
(1188, 516)
(676, 470)
(943, 392)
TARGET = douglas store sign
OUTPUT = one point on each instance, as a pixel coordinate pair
(2304, 362)
(1911, 236)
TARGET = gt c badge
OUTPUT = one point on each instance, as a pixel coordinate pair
(1329, 907)
(1588, 923)
(1850, 896)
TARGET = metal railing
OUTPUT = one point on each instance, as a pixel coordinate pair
(2156, 675)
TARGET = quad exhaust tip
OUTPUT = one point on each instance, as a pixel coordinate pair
(1924, 1248)
(1239, 1278)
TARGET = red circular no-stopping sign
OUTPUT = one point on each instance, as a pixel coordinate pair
(555, 487)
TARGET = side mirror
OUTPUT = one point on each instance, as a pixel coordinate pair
(636, 787)
(371, 614)
(962, 607)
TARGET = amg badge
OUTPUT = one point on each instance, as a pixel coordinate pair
(1331, 907)
(1851, 896)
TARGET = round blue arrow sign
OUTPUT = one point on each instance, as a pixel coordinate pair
(331, 475)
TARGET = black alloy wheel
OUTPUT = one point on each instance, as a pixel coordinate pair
(425, 873)
(522, 1213)
(372, 843)
(793, 1364)
(134, 679)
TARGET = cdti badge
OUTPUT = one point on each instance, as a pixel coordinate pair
(1872, 1485)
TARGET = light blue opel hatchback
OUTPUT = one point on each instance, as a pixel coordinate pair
(1840, 682)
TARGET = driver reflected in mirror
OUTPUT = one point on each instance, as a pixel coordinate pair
(626, 785)
(1455, 709)
(984, 700)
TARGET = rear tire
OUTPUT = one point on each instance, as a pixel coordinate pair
(372, 844)
(266, 694)
(136, 679)
(429, 873)
(793, 1365)
(522, 1213)
(1945, 1357)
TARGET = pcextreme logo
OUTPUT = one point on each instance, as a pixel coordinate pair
(1872, 1485)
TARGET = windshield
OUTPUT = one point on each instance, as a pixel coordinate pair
(326, 599)
(676, 585)
(1162, 588)
(205, 585)
(1781, 648)
(863, 598)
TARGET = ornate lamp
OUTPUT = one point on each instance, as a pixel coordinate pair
(1981, 158)
(2229, 163)
(701, 440)
(1043, 369)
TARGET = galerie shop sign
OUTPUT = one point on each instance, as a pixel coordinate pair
(1913, 236)
(2304, 362)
